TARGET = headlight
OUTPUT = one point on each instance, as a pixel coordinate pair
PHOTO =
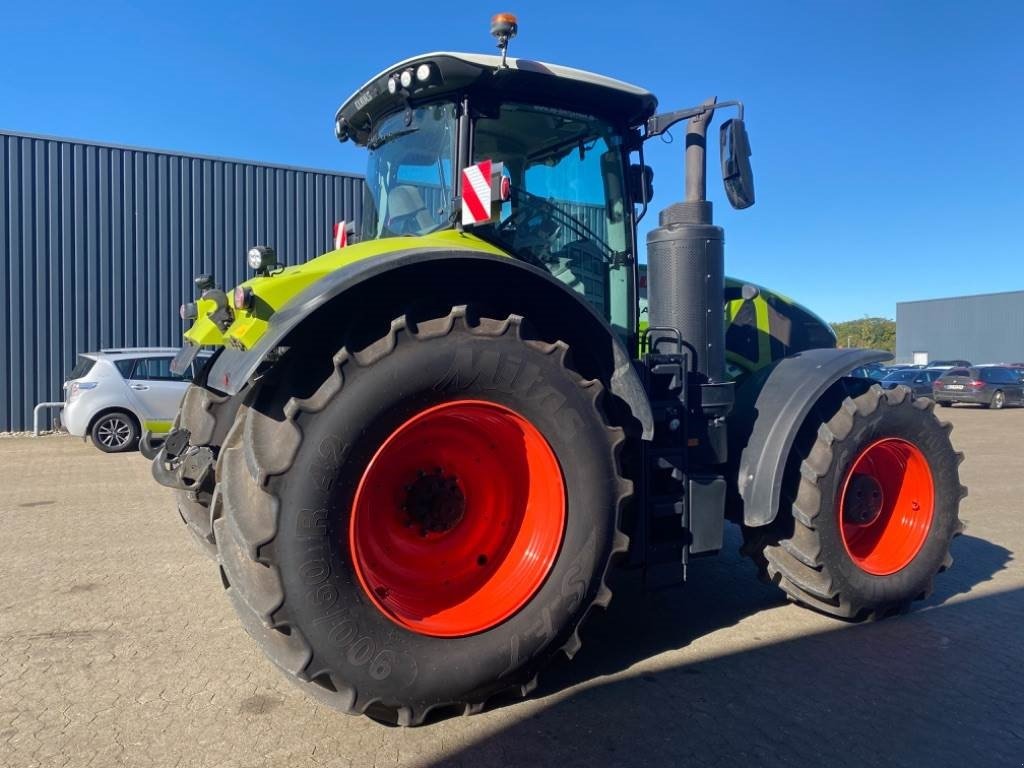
(406, 78)
(393, 85)
(423, 72)
(261, 258)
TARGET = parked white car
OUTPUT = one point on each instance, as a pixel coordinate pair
(114, 395)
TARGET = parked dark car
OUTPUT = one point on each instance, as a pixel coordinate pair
(918, 382)
(991, 386)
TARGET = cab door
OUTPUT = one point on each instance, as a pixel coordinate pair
(157, 392)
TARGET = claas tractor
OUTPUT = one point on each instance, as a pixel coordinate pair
(416, 458)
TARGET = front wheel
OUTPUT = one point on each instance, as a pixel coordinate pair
(115, 432)
(428, 523)
(875, 486)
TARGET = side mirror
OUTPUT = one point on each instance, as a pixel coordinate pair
(641, 183)
(736, 174)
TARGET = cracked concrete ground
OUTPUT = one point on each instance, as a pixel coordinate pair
(117, 647)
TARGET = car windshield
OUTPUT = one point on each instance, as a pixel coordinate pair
(409, 173)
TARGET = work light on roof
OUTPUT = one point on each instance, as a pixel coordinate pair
(504, 26)
(406, 78)
(423, 72)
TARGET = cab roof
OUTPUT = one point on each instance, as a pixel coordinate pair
(481, 77)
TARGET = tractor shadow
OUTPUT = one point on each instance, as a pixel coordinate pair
(939, 686)
(722, 591)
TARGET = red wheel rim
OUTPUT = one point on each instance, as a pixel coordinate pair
(458, 519)
(886, 506)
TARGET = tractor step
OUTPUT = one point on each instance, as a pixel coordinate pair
(683, 504)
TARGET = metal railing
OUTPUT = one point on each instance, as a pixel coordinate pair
(35, 415)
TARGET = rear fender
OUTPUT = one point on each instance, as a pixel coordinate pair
(771, 406)
(385, 286)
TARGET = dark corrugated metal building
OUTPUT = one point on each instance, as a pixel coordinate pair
(987, 328)
(99, 245)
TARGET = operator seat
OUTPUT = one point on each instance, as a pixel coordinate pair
(407, 211)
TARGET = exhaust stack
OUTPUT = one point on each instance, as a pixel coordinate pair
(686, 289)
(685, 265)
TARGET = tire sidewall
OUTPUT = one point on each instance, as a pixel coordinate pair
(350, 637)
(905, 422)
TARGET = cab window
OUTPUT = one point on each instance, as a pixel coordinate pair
(568, 211)
(409, 173)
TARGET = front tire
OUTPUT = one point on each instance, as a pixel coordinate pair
(875, 486)
(380, 535)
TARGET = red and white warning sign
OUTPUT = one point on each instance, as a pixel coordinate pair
(476, 193)
(340, 234)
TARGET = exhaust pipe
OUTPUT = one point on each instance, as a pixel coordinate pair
(686, 289)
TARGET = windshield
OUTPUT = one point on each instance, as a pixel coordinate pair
(409, 174)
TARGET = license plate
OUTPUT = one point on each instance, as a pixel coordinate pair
(954, 386)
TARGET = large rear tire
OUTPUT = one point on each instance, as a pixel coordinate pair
(429, 524)
(875, 492)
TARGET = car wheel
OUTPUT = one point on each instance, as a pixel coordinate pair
(115, 432)
(998, 399)
(945, 404)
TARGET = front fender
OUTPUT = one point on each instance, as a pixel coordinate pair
(234, 367)
(771, 406)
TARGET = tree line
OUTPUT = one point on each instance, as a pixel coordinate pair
(869, 332)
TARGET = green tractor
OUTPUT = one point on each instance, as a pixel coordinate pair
(416, 457)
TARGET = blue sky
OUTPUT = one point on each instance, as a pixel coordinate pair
(886, 135)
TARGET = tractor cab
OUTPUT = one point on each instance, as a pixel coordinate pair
(558, 139)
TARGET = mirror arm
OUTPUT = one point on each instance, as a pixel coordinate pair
(658, 124)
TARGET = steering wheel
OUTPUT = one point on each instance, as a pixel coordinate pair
(533, 223)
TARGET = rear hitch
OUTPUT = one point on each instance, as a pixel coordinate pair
(181, 466)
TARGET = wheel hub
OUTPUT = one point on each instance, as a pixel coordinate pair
(886, 506)
(434, 503)
(458, 548)
(863, 501)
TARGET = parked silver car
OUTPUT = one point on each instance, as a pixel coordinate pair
(114, 395)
